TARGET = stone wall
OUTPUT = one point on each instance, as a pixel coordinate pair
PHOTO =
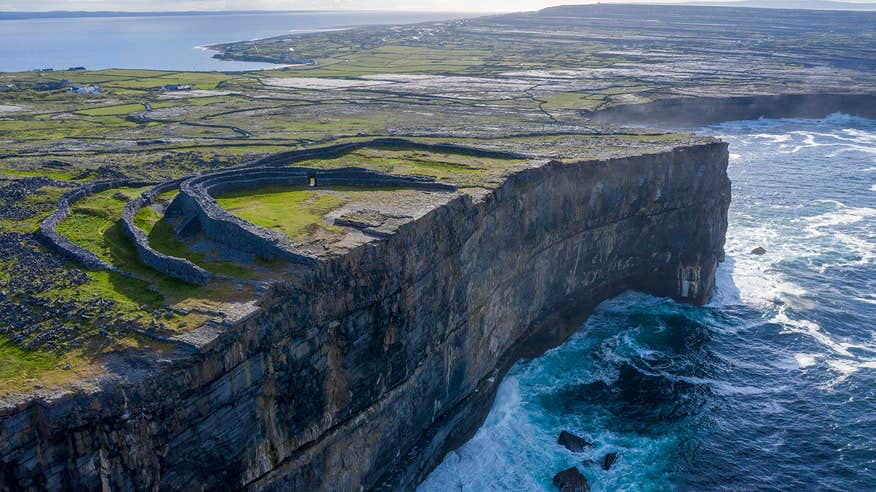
(179, 268)
(365, 372)
(337, 150)
(200, 212)
(67, 248)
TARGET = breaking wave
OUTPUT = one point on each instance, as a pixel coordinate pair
(770, 386)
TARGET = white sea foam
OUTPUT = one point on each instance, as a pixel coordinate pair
(833, 226)
(472, 467)
(772, 138)
(842, 357)
(753, 295)
(805, 360)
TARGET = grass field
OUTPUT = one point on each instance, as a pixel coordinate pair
(294, 211)
(94, 224)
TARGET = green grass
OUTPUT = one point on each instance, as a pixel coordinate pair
(92, 217)
(94, 224)
(198, 80)
(18, 363)
(29, 173)
(458, 169)
(42, 129)
(296, 211)
(113, 110)
(572, 100)
(162, 238)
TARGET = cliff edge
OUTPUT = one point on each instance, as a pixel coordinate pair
(365, 372)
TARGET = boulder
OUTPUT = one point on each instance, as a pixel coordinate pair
(758, 251)
(573, 443)
(571, 480)
(608, 460)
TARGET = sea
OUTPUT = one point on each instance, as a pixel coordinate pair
(165, 42)
(771, 386)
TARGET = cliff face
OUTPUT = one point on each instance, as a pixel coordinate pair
(695, 111)
(363, 374)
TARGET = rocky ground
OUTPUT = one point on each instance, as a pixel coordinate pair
(527, 83)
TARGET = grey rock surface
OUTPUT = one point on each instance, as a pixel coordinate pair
(367, 370)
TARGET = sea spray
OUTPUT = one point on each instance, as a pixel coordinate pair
(770, 386)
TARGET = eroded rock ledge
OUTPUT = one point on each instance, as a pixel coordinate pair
(367, 370)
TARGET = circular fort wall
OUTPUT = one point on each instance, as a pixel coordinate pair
(198, 209)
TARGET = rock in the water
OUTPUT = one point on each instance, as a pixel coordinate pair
(758, 251)
(571, 480)
(608, 460)
(572, 442)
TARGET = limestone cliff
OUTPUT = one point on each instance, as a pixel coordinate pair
(364, 373)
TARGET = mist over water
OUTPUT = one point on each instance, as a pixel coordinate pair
(771, 386)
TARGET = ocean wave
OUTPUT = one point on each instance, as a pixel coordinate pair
(848, 358)
(682, 391)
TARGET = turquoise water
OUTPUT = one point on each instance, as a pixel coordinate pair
(166, 42)
(770, 387)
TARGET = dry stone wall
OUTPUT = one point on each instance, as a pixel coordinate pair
(200, 212)
(366, 371)
(48, 227)
(179, 268)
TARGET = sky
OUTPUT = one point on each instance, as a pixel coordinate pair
(406, 5)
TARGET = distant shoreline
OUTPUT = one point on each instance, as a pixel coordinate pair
(65, 14)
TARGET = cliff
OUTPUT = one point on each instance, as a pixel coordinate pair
(363, 373)
(694, 111)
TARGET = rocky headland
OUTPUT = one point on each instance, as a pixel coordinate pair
(466, 209)
(365, 370)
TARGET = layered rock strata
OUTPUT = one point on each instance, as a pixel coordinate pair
(364, 372)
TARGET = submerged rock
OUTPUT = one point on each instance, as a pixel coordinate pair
(573, 443)
(759, 251)
(571, 480)
(608, 460)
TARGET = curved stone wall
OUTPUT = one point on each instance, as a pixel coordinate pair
(366, 372)
(199, 211)
(48, 227)
(195, 203)
(179, 268)
(391, 143)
